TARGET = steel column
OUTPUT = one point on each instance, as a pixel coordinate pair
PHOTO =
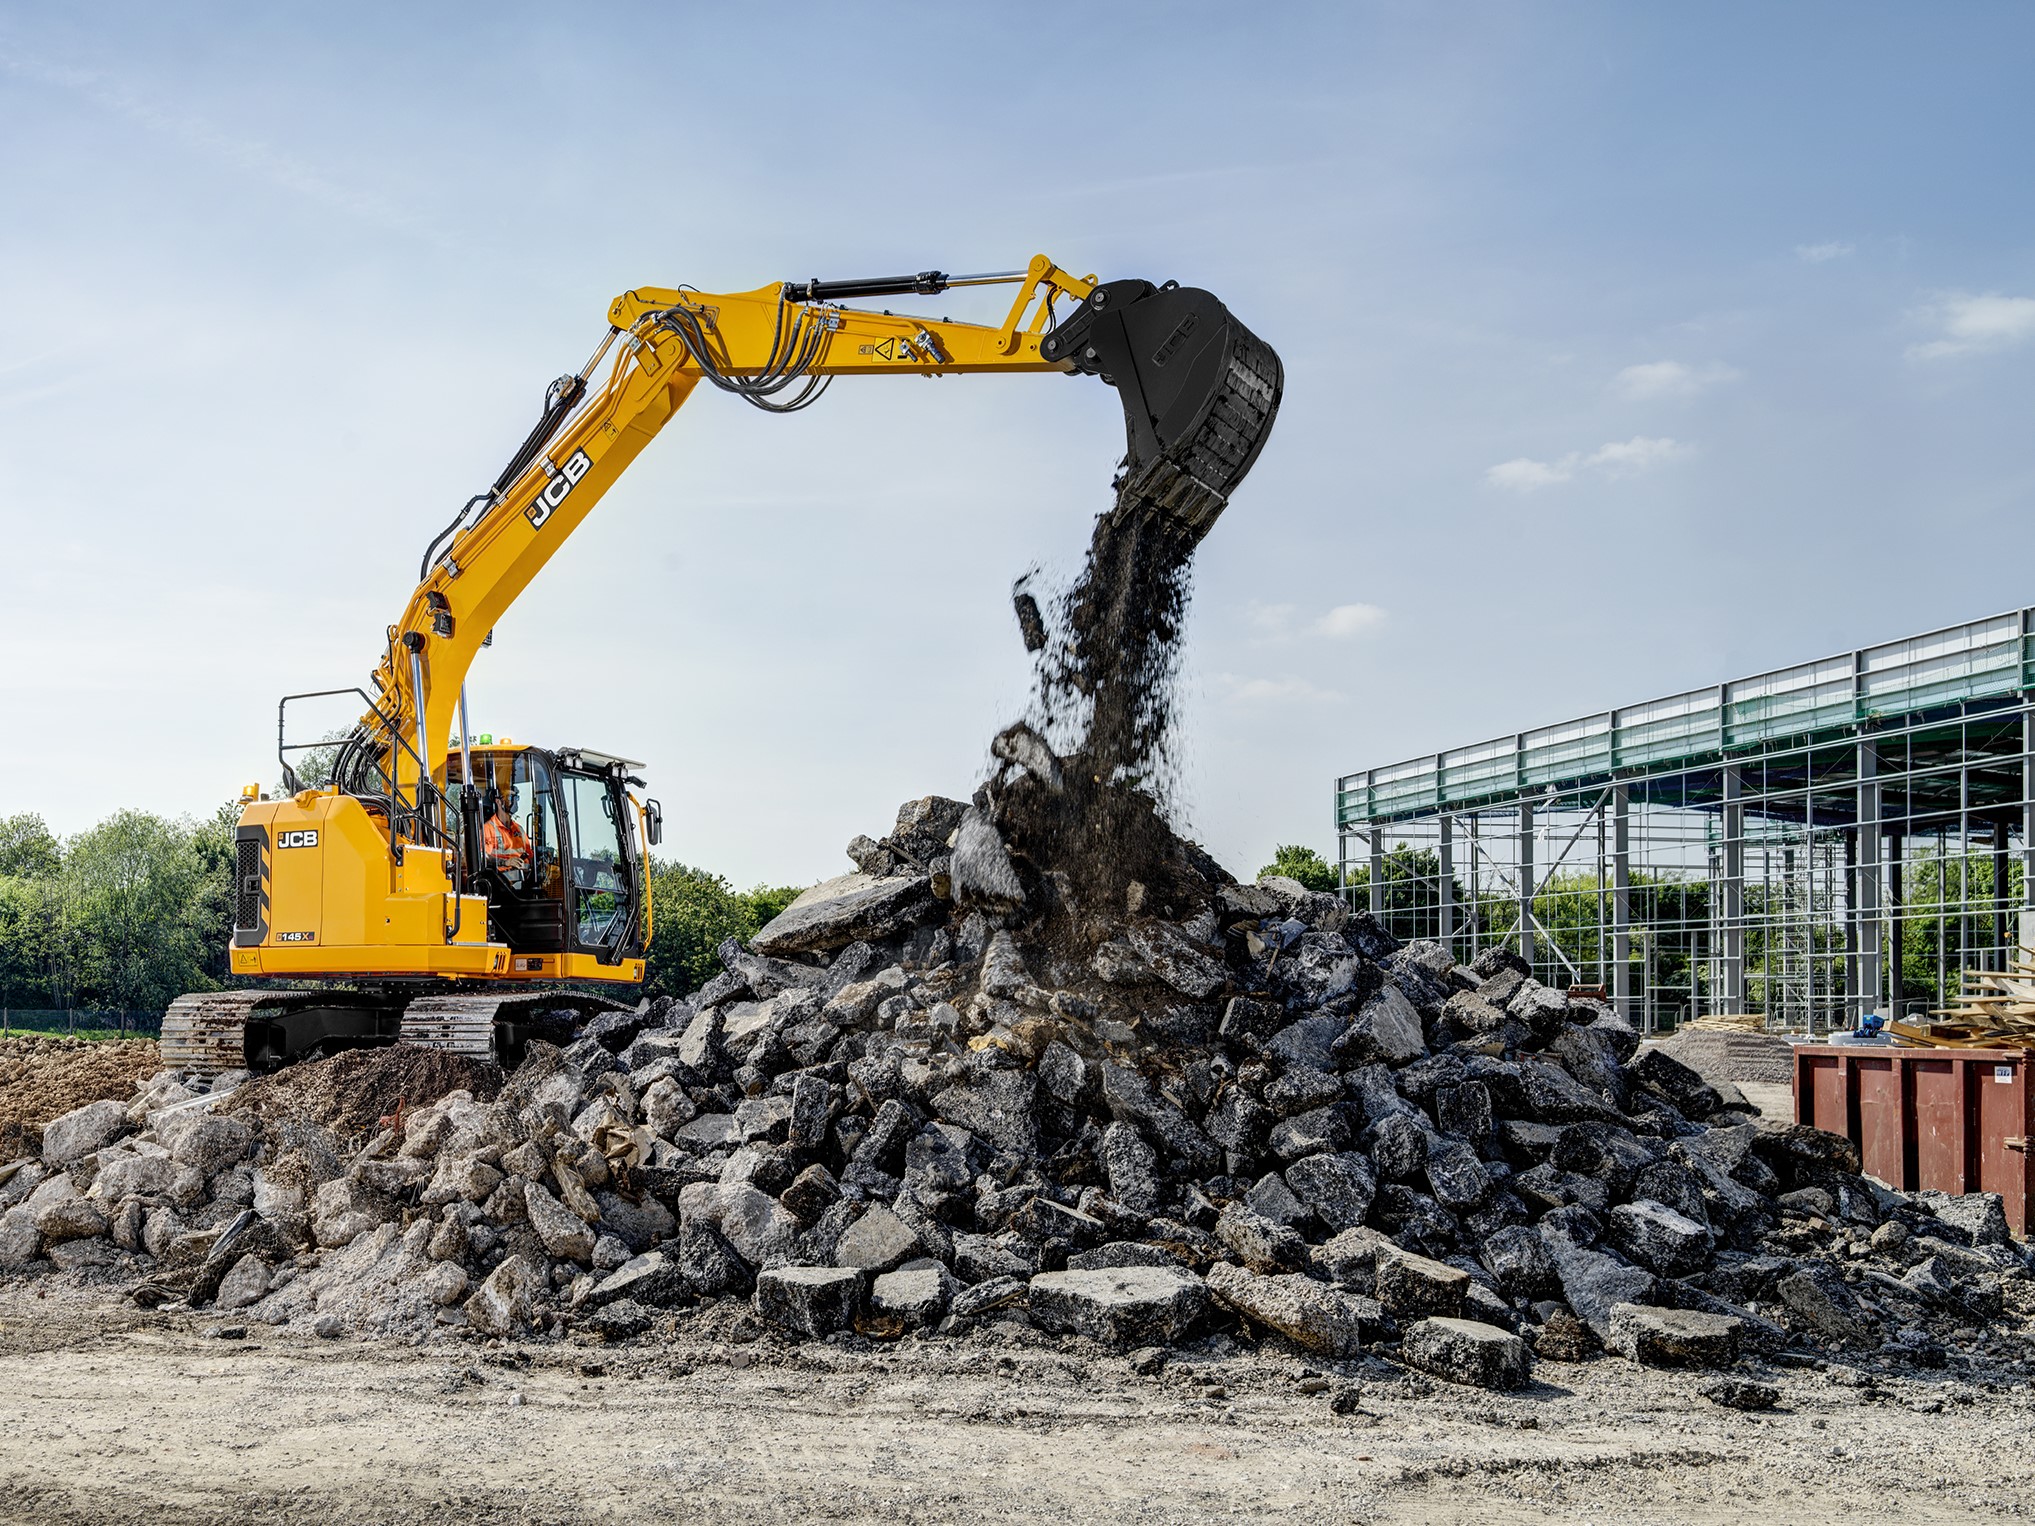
(1621, 901)
(1447, 890)
(1733, 994)
(1526, 881)
(1866, 879)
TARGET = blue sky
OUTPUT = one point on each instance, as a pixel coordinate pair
(1628, 348)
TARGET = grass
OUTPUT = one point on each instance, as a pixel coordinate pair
(57, 1030)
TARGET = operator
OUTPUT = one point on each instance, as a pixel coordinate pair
(502, 841)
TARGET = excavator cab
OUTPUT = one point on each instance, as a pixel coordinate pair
(560, 847)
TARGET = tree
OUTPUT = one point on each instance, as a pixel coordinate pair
(1296, 862)
(212, 904)
(24, 976)
(767, 901)
(28, 849)
(694, 911)
(137, 879)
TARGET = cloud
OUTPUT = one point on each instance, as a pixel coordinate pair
(1624, 458)
(1618, 458)
(1818, 254)
(1240, 690)
(1272, 619)
(1670, 378)
(1525, 475)
(1347, 620)
(1975, 324)
(249, 156)
(1278, 624)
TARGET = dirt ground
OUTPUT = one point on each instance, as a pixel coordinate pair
(44, 1076)
(109, 1414)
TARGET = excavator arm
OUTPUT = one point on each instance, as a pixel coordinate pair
(1199, 392)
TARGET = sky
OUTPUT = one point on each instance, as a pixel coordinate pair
(1628, 348)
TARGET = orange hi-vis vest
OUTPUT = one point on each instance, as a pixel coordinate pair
(504, 842)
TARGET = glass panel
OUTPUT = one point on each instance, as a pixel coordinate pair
(600, 877)
(519, 838)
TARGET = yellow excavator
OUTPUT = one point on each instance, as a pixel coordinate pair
(467, 891)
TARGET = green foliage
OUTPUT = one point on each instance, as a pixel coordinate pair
(1296, 862)
(139, 884)
(766, 901)
(693, 911)
(123, 917)
(28, 849)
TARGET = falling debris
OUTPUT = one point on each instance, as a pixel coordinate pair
(1031, 624)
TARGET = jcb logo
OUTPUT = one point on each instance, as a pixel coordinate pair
(297, 839)
(553, 492)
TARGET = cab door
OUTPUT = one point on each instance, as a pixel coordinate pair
(603, 880)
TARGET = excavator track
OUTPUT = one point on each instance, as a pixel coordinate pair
(206, 1032)
(209, 1032)
(491, 1027)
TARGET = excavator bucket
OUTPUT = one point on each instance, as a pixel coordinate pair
(1199, 393)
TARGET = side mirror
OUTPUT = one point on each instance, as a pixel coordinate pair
(653, 822)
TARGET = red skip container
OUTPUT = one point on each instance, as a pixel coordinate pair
(1957, 1120)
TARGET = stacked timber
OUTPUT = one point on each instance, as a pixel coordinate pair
(1994, 1009)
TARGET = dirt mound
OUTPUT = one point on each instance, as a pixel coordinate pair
(44, 1076)
(352, 1092)
(1762, 1057)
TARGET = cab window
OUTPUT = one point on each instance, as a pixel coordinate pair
(525, 853)
(600, 875)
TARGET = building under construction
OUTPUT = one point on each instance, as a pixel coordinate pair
(1813, 843)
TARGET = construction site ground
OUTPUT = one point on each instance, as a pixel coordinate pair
(112, 1414)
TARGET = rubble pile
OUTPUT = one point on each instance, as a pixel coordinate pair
(949, 1088)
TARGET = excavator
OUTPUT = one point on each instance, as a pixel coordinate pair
(433, 886)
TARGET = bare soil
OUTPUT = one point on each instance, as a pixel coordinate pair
(354, 1091)
(109, 1414)
(44, 1076)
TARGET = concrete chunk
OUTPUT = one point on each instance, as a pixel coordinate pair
(1411, 1285)
(1466, 1351)
(844, 910)
(563, 1232)
(1122, 1306)
(1311, 1314)
(82, 1130)
(1657, 1237)
(876, 1242)
(809, 1300)
(1673, 1337)
(914, 1296)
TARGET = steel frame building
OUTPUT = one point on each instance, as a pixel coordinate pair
(1814, 843)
